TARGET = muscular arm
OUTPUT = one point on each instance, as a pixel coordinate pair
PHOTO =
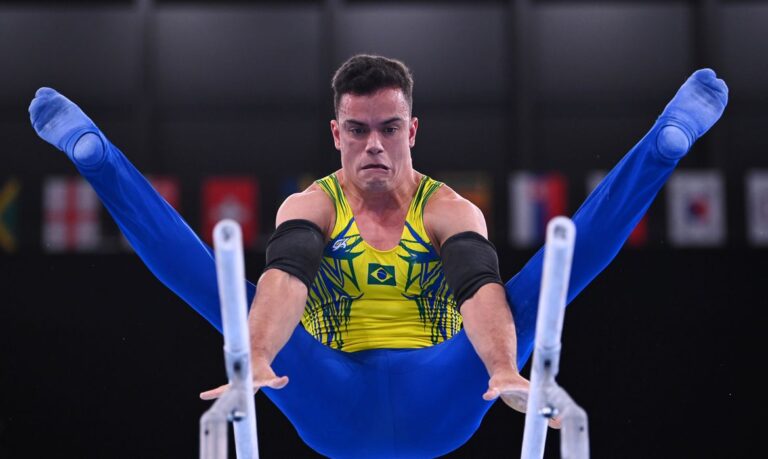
(486, 314)
(279, 304)
(488, 321)
(281, 297)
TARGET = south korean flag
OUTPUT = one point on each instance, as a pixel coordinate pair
(696, 209)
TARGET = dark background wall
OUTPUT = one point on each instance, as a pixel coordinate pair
(98, 359)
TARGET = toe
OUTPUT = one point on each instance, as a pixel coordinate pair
(709, 78)
(45, 91)
(705, 75)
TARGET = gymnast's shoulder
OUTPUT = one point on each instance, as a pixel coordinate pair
(312, 204)
(448, 213)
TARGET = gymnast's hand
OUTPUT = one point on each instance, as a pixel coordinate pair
(60, 122)
(513, 390)
(263, 376)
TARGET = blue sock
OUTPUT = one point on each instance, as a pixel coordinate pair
(698, 104)
(60, 122)
(609, 214)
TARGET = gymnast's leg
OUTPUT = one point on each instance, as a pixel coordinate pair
(603, 222)
(161, 238)
(607, 217)
(177, 257)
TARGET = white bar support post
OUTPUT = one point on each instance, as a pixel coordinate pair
(237, 404)
(547, 399)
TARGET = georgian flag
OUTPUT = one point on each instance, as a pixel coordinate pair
(70, 215)
(696, 209)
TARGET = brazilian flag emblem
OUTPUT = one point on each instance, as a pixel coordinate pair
(381, 274)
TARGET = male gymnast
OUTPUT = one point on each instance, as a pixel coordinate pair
(381, 296)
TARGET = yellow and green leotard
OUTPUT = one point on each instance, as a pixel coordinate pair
(364, 298)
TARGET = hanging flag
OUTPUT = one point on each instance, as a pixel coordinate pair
(757, 207)
(235, 198)
(696, 209)
(534, 200)
(291, 185)
(168, 188)
(475, 187)
(9, 193)
(639, 235)
(70, 215)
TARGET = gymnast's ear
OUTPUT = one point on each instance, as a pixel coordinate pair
(335, 134)
(413, 126)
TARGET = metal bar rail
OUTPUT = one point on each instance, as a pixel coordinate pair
(547, 399)
(237, 404)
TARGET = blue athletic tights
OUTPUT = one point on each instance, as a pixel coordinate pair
(380, 403)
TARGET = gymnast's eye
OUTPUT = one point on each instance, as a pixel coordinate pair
(389, 130)
(356, 131)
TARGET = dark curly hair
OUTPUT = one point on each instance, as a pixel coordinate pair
(365, 74)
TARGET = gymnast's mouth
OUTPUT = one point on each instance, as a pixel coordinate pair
(375, 166)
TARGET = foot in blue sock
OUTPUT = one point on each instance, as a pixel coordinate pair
(696, 107)
(60, 122)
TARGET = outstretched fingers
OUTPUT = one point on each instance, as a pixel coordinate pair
(214, 393)
(517, 399)
(278, 382)
(273, 383)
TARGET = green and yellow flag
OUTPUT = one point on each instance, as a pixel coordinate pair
(9, 193)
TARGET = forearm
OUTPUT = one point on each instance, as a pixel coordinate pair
(275, 313)
(490, 328)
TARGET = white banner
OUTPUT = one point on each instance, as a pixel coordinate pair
(757, 207)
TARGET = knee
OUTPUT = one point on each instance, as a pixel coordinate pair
(672, 142)
(89, 150)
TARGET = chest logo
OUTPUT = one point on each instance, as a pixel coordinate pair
(381, 274)
(340, 244)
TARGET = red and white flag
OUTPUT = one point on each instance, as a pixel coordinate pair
(696, 209)
(757, 207)
(639, 236)
(70, 215)
(235, 198)
(534, 200)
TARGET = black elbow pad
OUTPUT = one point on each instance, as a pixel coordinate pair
(469, 262)
(296, 247)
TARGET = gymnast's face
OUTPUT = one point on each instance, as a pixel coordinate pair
(375, 134)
